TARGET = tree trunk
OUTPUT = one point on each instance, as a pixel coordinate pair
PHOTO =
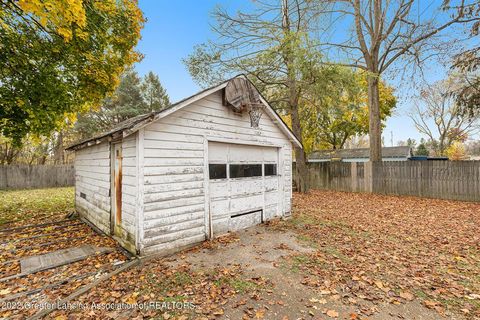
(11, 154)
(301, 171)
(441, 148)
(42, 159)
(375, 129)
(59, 153)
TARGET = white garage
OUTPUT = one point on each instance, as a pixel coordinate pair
(215, 162)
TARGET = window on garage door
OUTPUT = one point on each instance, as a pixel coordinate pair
(236, 161)
(245, 170)
(217, 171)
(270, 169)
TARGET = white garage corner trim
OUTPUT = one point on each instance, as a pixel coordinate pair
(208, 220)
(140, 194)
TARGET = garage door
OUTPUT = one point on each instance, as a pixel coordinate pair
(243, 185)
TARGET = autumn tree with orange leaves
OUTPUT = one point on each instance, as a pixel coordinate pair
(61, 57)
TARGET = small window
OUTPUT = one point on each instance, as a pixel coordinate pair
(217, 170)
(270, 169)
(245, 170)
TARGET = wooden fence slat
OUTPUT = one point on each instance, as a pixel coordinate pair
(456, 180)
(36, 176)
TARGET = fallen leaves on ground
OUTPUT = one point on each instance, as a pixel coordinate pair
(179, 290)
(170, 290)
(332, 313)
(23, 236)
(366, 248)
(390, 249)
(20, 207)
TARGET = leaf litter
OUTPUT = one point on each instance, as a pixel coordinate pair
(390, 249)
(366, 247)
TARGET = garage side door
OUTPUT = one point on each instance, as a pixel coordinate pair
(243, 185)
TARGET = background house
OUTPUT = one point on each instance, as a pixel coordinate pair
(401, 153)
(217, 161)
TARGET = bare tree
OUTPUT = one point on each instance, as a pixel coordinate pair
(386, 31)
(270, 44)
(441, 118)
(8, 152)
(358, 141)
(467, 62)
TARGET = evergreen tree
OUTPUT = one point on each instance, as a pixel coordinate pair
(411, 143)
(129, 100)
(154, 94)
(422, 149)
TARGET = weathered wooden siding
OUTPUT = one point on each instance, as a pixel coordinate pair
(174, 168)
(92, 184)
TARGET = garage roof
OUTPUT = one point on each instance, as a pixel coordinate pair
(132, 125)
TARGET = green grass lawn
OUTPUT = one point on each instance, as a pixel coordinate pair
(29, 205)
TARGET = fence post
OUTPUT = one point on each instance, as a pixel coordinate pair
(368, 171)
(353, 172)
(3, 178)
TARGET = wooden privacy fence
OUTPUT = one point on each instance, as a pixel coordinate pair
(457, 180)
(36, 176)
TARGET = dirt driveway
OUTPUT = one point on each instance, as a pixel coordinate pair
(264, 252)
(249, 274)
